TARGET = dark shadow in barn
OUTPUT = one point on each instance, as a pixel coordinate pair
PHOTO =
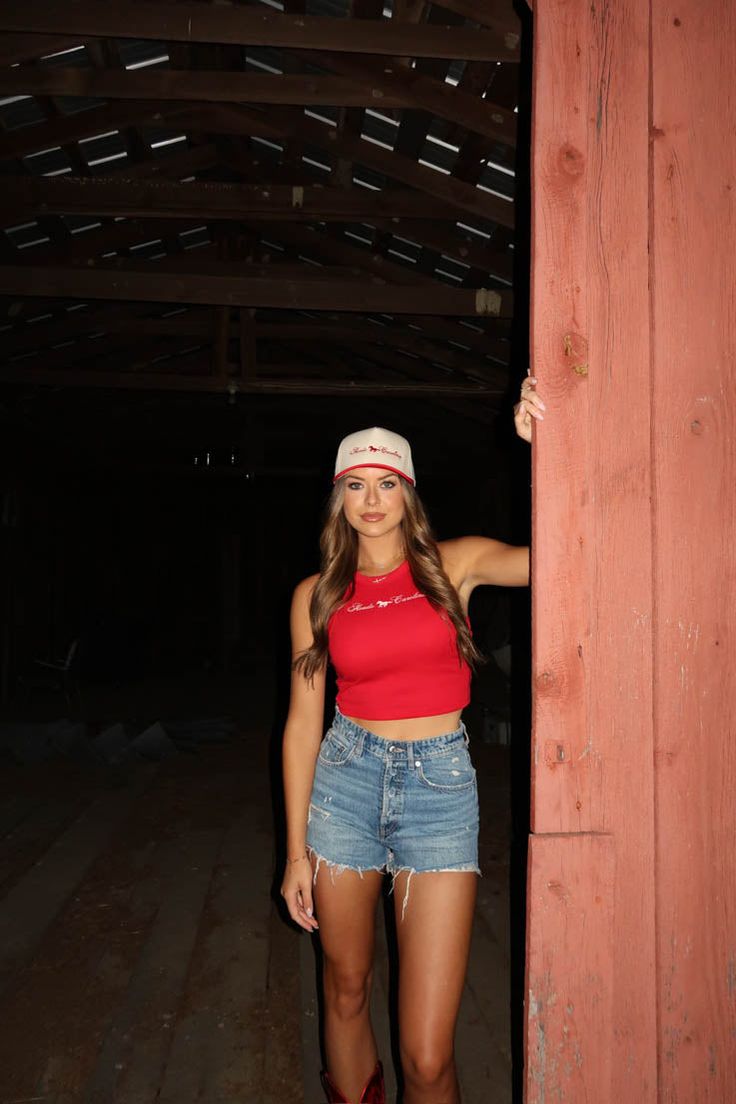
(144, 939)
(150, 540)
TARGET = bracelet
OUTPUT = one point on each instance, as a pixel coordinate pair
(299, 859)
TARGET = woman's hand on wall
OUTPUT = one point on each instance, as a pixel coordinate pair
(529, 407)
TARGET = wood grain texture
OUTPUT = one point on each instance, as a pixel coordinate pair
(569, 1010)
(560, 777)
(693, 228)
(592, 766)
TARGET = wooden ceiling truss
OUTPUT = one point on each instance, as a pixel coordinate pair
(235, 199)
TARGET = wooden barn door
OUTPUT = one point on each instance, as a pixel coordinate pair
(631, 934)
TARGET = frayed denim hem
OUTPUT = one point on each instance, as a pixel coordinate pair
(336, 869)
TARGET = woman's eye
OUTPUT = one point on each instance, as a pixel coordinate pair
(355, 486)
(388, 484)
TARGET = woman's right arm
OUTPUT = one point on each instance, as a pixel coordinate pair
(302, 737)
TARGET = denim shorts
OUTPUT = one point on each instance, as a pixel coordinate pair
(402, 805)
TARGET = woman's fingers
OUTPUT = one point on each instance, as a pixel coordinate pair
(529, 406)
(531, 403)
(306, 905)
(299, 916)
(300, 906)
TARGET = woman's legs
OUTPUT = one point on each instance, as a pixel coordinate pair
(434, 942)
(345, 906)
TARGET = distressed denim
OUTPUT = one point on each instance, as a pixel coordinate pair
(378, 804)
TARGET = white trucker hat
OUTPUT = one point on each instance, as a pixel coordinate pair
(375, 448)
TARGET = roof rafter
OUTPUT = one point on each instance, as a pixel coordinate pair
(235, 119)
(440, 235)
(149, 285)
(369, 87)
(88, 124)
(172, 381)
(252, 26)
(166, 199)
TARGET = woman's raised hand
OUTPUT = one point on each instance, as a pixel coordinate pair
(529, 406)
(296, 889)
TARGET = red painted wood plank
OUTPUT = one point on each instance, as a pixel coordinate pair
(561, 494)
(569, 1024)
(694, 228)
(592, 634)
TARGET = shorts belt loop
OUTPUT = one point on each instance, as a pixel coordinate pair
(465, 734)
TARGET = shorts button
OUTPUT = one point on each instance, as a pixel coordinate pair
(392, 748)
(418, 763)
(392, 793)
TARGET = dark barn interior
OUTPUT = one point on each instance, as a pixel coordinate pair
(232, 234)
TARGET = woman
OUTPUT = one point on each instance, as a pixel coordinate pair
(391, 787)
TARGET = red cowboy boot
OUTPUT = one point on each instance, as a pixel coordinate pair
(373, 1093)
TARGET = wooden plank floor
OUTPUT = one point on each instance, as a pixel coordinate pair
(143, 959)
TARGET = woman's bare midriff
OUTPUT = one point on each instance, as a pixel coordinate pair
(411, 728)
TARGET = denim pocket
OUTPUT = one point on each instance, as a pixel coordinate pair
(335, 750)
(450, 772)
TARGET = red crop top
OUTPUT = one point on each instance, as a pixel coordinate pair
(395, 656)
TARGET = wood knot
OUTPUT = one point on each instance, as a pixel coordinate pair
(697, 427)
(575, 347)
(555, 753)
(572, 162)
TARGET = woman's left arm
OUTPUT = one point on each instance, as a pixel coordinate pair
(482, 561)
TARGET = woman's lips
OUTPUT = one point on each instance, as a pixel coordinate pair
(373, 517)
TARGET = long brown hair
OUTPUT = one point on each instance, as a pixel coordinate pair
(336, 584)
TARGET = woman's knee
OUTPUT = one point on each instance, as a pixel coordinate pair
(426, 1064)
(347, 990)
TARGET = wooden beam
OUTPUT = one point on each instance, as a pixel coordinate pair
(364, 334)
(229, 290)
(77, 326)
(445, 239)
(87, 124)
(251, 26)
(497, 15)
(442, 236)
(151, 381)
(158, 198)
(415, 90)
(40, 338)
(234, 119)
(192, 84)
(474, 336)
(88, 246)
(330, 250)
(361, 84)
(16, 48)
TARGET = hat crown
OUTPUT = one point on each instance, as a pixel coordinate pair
(375, 448)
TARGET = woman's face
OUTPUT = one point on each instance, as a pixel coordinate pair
(374, 501)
